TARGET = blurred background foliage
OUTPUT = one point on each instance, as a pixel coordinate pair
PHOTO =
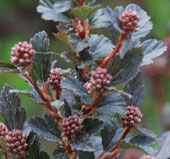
(19, 21)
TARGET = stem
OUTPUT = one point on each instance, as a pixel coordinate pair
(5, 152)
(112, 154)
(84, 71)
(115, 150)
(54, 112)
(92, 107)
(116, 50)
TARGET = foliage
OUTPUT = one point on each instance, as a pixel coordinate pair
(100, 132)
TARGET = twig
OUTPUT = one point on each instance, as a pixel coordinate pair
(116, 50)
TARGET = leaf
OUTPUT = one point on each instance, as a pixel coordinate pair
(63, 6)
(57, 104)
(46, 126)
(127, 68)
(63, 37)
(82, 142)
(86, 155)
(59, 153)
(100, 46)
(6, 67)
(92, 125)
(125, 145)
(34, 151)
(78, 45)
(142, 140)
(42, 66)
(3, 143)
(108, 133)
(99, 19)
(146, 132)
(136, 89)
(162, 148)
(13, 114)
(72, 84)
(145, 25)
(40, 42)
(112, 103)
(32, 94)
(84, 12)
(152, 48)
(48, 10)
(114, 15)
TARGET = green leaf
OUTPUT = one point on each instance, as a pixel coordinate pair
(42, 66)
(92, 125)
(86, 155)
(136, 89)
(127, 68)
(63, 37)
(100, 46)
(13, 114)
(6, 67)
(44, 155)
(40, 42)
(72, 84)
(108, 133)
(82, 142)
(84, 12)
(99, 19)
(152, 48)
(162, 148)
(48, 10)
(46, 126)
(111, 104)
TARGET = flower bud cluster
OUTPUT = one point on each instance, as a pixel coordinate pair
(16, 141)
(55, 78)
(71, 126)
(3, 130)
(98, 80)
(22, 54)
(130, 20)
(82, 28)
(132, 118)
(147, 157)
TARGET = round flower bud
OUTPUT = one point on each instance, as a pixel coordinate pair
(130, 20)
(71, 125)
(98, 80)
(16, 141)
(132, 117)
(55, 78)
(3, 130)
(22, 54)
(147, 157)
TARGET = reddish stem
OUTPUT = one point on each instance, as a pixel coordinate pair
(116, 50)
(115, 148)
(84, 71)
(49, 109)
(112, 154)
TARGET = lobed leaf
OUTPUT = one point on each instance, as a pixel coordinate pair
(42, 66)
(86, 155)
(136, 88)
(111, 104)
(40, 42)
(152, 48)
(74, 85)
(92, 125)
(127, 68)
(46, 126)
(82, 142)
(13, 114)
